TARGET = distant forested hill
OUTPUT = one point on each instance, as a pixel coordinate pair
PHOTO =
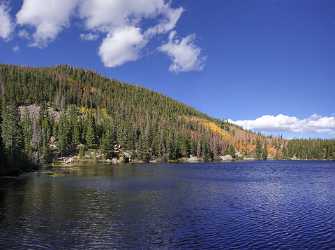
(48, 113)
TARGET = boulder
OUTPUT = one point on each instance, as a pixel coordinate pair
(238, 154)
(69, 160)
(192, 159)
(127, 156)
(226, 158)
(249, 158)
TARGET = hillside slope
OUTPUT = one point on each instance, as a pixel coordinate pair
(60, 111)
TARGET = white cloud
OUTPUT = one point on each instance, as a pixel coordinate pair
(116, 16)
(284, 123)
(6, 24)
(168, 22)
(121, 46)
(105, 15)
(16, 48)
(185, 55)
(128, 26)
(47, 17)
(89, 36)
(24, 34)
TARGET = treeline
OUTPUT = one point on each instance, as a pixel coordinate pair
(59, 111)
(47, 113)
(14, 155)
(311, 149)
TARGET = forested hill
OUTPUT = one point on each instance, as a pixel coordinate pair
(47, 113)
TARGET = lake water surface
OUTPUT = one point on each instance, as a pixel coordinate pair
(247, 205)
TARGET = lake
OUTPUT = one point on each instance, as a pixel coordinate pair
(243, 205)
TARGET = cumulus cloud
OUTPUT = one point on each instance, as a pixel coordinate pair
(47, 17)
(121, 20)
(185, 55)
(284, 123)
(122, 45)
(6, 24)
(126, 25)
(89, 37)
(106, 15)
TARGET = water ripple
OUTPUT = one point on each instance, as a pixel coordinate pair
(254, 205)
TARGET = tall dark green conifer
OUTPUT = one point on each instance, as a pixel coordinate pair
(259, 150)
(12, 135)
(90, 132)
(26, 125)
(107, 140)
(46, 133)
(63, 135)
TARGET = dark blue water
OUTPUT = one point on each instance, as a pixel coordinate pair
(248, 205)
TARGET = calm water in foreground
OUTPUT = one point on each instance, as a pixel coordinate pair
(247, 205)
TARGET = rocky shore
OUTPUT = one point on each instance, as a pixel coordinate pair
(126, 158)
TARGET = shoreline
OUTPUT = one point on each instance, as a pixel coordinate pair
(82, 163)
(61, 164)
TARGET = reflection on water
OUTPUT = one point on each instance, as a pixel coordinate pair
(234, 205)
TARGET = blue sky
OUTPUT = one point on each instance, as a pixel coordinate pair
(268, 65)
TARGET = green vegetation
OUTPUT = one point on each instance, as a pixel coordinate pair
(48, 113)
(261, 151)
(310, 149)
(53, 112)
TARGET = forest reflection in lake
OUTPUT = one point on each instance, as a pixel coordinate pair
(271, 204)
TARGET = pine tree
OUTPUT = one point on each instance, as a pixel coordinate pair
(90, 132)
(12, 135)
(206, 152)
(2, 153)
(81, 151)
(75, 125)
(230, 150)
(187, 147)
(11, 131)
(259, 150)
(63, 134)
(107, 140)
(26, 125)
(46, 135)
(265, 152)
